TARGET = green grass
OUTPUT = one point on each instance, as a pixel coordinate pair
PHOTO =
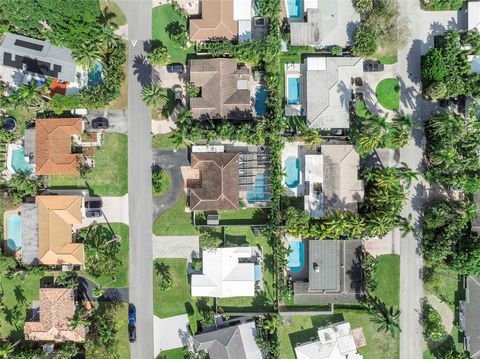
(445, 285)
(123, 345)
(16, 292)
(361, 109)
(263, 301)
(243, 216)
(175, 221)
(388, 277)
(22, 115)
(122, 274)
(160, 15)
(388, 93)
(172, 354)
(453, 340)
(164, 141)
(386, 59)
(302, 328)
(118, 16)
(164, 184)
(110, 175)
(177, 299)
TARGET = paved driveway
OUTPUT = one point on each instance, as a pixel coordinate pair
(176, 247)
(117, 119)
(114, 210)
(171, 333)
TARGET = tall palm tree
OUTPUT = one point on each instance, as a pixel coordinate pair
(87, 54)
(313, 137)
(29, 95)
(388, 320)
(80, 318)
(155, 96)
(270, 323)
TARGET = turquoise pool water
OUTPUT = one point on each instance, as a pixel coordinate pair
(260, 191)
(296, 258)
(95, 76)
(295, 8)
(293, 91)
(260, 101)
(292, 172)
(14, 232)
(18, 161)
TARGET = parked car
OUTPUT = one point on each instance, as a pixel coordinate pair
(79, 112)
(177, 90)
(132, 323)
(372, 66)
(94, 213)
(100, 123)
(93, 203)
(175, 68)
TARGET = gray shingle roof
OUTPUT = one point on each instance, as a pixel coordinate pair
(224, 343)
(472, 316)
(37, 56)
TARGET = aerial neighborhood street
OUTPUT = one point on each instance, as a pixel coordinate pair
(240, 179)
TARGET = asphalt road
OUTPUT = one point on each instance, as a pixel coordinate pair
(139, 16)
(424, 25)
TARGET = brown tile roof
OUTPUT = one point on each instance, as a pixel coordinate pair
(53, 153)
(216, 23)
(57, 307)
(218, 186)
(220, 97)
(56, 215)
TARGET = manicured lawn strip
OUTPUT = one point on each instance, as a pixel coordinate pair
(175, 221)
(388, 93)
(242, 237)
(303, 328)
(113, 8)
(177, 299)
(19, 293)
(172, 354)
(160, 15)
(122, 275)
(386, 59)
(361, 109)
(110, 175)
(164, 141)
(445, 285)
(244, 215)
(388, 278)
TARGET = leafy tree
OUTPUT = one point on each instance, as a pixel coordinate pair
(97, 292)
(313, 137)
(210, 239)
(21, 186)
(61, 103)
(365, 42)
(267, 335)
(88, 54)
(336, 50)
(159, 56)
(80, 318)
(433, 328)
(192, 90)
(155, 96)
(364, 7)
(433, 67)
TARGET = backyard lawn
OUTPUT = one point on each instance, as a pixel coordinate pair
(263, 301)
(303, 328)
(160, 15)
(122, 274)
(388, 93)
(177, 299)
(110, 175)
(175, 221)
(388, 277)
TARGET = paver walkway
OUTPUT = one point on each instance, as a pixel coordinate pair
(176, 247)
(170, 333)
(444, 310)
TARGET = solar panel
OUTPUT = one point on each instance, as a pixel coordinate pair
(28, 45)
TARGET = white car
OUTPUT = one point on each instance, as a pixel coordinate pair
(79, 111)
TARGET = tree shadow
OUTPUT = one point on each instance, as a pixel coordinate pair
(143, 70)
(19, 296)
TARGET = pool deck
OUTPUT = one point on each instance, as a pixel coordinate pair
(294, 70)
(6, 249)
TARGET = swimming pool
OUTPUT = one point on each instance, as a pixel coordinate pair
(294, 8)
(95, 75)
(259, 193)
(18, 161)
(260, 100)
(14, 232)
(292, 172)
(293, 90)
(296, 258)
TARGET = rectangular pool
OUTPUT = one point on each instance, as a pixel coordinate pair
(293, 91)
(260, 100)
(294, 8)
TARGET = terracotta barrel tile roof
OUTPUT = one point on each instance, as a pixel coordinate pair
(53, 153)
(216, 23)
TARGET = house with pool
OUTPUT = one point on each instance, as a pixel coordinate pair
(227, 177)
(42, 231)
(326, 177)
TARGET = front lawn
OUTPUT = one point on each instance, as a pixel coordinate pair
(171, 354)
(388, 93)
(387, 274)
(177, 299)
(164, 141)
(263, 301)
(303, 328)
(122, 273)
(110, 175)
(445, 284)
(160, 16)
(112, 9)
(175, 221)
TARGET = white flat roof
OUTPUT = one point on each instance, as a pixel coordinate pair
(242, 10)
(473, 12)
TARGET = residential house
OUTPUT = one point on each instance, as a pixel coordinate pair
(336, 341)
(333, 274)
(57, 307)
(328, 86)
(224, 89)
(469, 316)
(222, 20)
(47, 230)
(230, 342)
(328, 23)
(55, 139)
(23, 59)
(227, 272)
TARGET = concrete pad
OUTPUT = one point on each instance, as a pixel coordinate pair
(176, 247)
(170, 333)
(389, 244)
(163, 126)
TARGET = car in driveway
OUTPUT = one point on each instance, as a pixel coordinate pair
(93, 202)
(132, 323)
(177, 90)
(175, 68)
(100, 123)
(94, 213)
(372, 66)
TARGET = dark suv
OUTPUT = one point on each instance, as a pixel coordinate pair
(372, 66)
(100, 123)
(175, 68)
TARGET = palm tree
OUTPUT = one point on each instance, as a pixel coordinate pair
(87, 54)
(407, 174)
(29, 95)
(270, 323)
(313, 137)
(6, 349)
(107, 332)
(388, 319)
(97, 292)
(378, 224)
(80, 318)
(155, 96)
